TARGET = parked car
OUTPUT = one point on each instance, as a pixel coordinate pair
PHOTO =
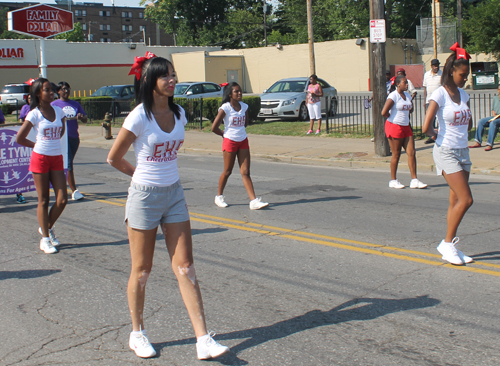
(122, 95)
(202, 89)
(286, 99)
(15, 95)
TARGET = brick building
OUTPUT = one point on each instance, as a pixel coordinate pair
(102, 23)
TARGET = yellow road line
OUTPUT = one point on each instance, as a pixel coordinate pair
(352, 245)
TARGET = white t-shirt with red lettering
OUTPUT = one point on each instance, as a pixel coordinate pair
(48, 134)
(453, 119)
(400, 111)
(234, 122)
(155, 150)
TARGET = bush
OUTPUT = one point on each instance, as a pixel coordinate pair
(211, 107)
(5, 108)
(95, 107)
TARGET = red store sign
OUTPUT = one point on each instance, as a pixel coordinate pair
(40, 21)
(11, 52)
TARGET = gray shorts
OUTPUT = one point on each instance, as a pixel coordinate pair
(451, 160)
(147, 207)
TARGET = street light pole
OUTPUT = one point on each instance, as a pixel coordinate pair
(312, 64)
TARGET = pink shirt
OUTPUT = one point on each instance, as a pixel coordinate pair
(312, 89)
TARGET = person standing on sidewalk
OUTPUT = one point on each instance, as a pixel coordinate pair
(74, 112)
(234, 113)
(155, 197)
(432, 81)
(314, 93)
(492, 123)
(46, 159)
(450, 103)
(397, 110)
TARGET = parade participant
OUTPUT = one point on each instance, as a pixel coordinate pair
(397, 110)
(234, 113)
(450, 103)
(314, 92)
(46, 159)
(74, 112)
(156, 130)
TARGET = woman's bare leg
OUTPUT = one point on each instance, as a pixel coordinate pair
(42, 185)
(409, 146)
(395, 145)
(244, 162)
(142, 248)
(460, 201)
(229, 158)
(58, 180)
(180, 247)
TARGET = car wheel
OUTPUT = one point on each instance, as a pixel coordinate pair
(303, 113)
(333, 107)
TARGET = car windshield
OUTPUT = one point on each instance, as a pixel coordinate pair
(107, 91)
(180, 89)
(16, 89)
(292, 86)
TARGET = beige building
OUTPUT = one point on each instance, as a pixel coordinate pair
(88, 66)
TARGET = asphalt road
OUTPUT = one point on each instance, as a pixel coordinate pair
(339, 270)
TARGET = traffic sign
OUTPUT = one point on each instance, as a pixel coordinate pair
(377, 30)
(40, 21)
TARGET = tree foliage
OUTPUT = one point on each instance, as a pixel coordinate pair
(76, 35)
(4, 33)
(482, 28)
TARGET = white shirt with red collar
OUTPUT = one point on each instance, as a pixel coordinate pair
(155, 150)
(48, 133)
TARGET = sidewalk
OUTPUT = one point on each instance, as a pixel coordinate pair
(312, 150)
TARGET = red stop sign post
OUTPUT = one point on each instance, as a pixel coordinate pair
(40, 21)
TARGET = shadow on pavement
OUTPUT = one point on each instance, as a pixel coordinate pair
(30, 273)
(305, 200)
(357, 309)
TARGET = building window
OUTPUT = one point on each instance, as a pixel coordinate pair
(141, 40)
(141, 15)
(103, 39)
(84, 26)
(126, 14)
(81, 13)
(142, 27)
(126, 28)
(103, 13)
(91, 37)
(104, 27)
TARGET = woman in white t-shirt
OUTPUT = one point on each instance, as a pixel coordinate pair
(397, 110)
(156, 130)
(451, 154)
(46, 162)
(234, 113)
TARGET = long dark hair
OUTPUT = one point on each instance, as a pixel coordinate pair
(397, 80)
(35, 88)
(152, 69)
(449, 67)
(228, 89)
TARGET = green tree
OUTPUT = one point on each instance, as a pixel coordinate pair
(4, 33)
(76, 35)
(482, 28)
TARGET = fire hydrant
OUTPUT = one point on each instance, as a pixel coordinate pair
(107, 125)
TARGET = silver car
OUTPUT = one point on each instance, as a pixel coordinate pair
(15, 95)
(287, 99)
(202, 89)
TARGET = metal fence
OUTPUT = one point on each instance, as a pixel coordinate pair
(117, 111)
(353, 116)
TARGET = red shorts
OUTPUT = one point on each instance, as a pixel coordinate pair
(234, 146)
(45, 163)
(396, 131)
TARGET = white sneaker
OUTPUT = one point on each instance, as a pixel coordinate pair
(396, 184)
(77, 195)
(415, 183)
(219, 201)
(450, 253)
(463, 257)
(257, 204)
(208, 348)
(52, 235)
(139, 343)
(47, 247)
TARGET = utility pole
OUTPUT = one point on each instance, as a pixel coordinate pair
(377, 78)
(312, 64)
(459, 22)
(434, 27)
(265, 23)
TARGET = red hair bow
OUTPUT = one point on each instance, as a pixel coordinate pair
(461, 53)
(30, 81)
(137, 66)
